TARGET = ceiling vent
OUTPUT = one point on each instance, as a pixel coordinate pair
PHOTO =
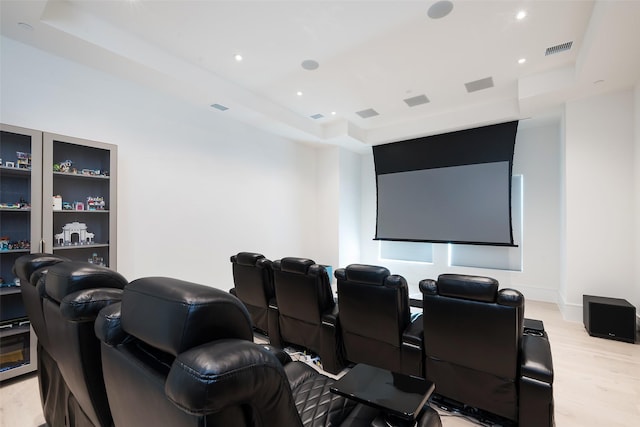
(317, 116)
(558, 48)
(365, 114)
(481, 84)
(219, 107)
(416, 100)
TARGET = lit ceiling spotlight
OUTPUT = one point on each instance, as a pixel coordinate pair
(299, 93)
(333, 113)
(522, 60)
(238, 57)
(521, 15)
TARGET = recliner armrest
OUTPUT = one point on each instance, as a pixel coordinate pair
(536, 359)
(413, 347)
(108, 325)
(211, 377)
(413, 334)
(330, 318)
(535, 406)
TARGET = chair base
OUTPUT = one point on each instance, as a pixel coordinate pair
(483, 417)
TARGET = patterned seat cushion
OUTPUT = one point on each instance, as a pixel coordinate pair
(314, 401)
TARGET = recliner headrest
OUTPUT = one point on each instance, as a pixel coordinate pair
(26, 265)
(294, 265)
(247, 258)
(476, 288)
(370, 274)
(173, 315)
(65, 278)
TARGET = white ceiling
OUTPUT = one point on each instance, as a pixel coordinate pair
(371, 54)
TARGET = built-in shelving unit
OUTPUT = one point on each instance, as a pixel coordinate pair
(20, 231)
(80, 224)
(81, 174)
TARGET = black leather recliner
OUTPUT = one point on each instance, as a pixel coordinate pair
(181, 354)
(375, 319)
(478, 353)
(307, 312)
(253, 281)
(74, 293)
(31, 270)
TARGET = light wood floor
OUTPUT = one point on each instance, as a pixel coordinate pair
(597, 381)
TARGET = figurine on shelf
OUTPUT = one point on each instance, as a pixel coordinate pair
(95, 203)
(24, 160)
(77, 229)
(63, 166)
(97, 260)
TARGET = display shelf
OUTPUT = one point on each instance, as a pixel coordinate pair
(20, 222)
(14, 329)
(9, 290)
(80, 172)
(95, 245)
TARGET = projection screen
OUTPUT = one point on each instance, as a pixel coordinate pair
(454, 187)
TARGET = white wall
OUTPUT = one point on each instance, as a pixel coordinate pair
(537, 159)
(600, 200)
(636, 193)
(194, 188)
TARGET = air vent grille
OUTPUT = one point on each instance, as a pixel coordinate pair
(219, 107)
(558, 48)
(317, 116)
(481, 84)
(416, 100)
(365, 114)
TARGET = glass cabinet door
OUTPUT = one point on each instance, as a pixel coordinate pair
(79, 199)
(20, 233)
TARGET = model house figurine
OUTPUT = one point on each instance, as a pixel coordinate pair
(77, 229)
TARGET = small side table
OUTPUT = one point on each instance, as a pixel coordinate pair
(400, 397)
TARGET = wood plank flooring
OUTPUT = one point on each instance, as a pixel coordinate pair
(597, 381)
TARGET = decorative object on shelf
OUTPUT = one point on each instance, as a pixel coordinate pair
(97, 260)
(7, 244)
(57, 202)
(24, 160)
(74, 228)
(10, 164)
(95, 203)
(64, 166)
(79, 206)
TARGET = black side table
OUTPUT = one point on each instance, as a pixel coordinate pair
(400, 397)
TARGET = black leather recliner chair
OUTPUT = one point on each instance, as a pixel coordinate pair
(307, 312)
(31, 270)
(479, 354)
(253, 281)
(74, 293)
(181, 354)
(377, 326)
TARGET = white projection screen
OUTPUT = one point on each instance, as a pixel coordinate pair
(453, 188)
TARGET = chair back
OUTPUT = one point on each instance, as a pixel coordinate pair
(472, 339)
(374, 313)
(253, 281)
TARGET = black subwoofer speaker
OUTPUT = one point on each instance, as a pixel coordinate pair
(611, 318)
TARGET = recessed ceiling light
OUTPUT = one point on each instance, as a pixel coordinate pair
(522, 60)
(521, 15)
(299, 93)
(238, 57)
(333, 113)
(440, 9)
